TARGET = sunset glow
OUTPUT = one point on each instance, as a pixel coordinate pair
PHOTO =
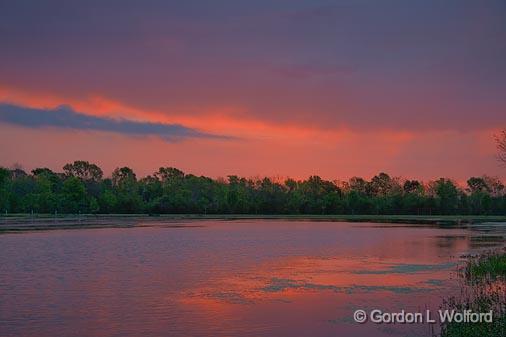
(338, 90)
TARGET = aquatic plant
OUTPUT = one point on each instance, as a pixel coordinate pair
(482, 289)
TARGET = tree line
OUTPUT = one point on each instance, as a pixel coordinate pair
(82, 188)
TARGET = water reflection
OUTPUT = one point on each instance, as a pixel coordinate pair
(239, 278)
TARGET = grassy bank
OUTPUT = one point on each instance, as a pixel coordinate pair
(492, 265)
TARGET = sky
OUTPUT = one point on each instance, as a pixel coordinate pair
(255, 88)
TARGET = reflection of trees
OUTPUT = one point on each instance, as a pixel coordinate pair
(447, 243)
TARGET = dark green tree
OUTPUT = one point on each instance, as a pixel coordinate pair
(124, 183)
(83, 170)
(447, 196)
(73, 196)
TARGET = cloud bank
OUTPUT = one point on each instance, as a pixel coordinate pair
(416, 65)
(65, 117)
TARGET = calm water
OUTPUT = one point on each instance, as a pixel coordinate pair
(228, 278)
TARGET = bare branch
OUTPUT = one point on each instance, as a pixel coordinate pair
(501, 145)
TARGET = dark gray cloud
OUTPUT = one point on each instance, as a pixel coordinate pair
(66, 118)
(368, 64)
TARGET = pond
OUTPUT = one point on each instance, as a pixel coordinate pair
(230, 278)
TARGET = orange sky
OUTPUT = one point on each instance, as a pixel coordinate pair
(311, 88)
(261, 148)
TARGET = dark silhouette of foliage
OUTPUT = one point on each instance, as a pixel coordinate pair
(82, 188)
(83, 170)
(501, 145)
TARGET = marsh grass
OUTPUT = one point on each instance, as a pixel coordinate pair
(490, 265)
(482, 282)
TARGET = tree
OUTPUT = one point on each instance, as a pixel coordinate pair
(357, 203)
(123, 177)
(358, 185)
(447, 196)
(108, 202)
(44, 196)
(320, 195)
(4, 189)
(495, 185)
(380, 184)
(73, 196)
(476, 184)
(18, 172)
(4, 176)
(412, 186)
(124, 182)
(501, 145)
(83, 170)
(169, 173)
(151, 191)
(42, 171)
(172, 191)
